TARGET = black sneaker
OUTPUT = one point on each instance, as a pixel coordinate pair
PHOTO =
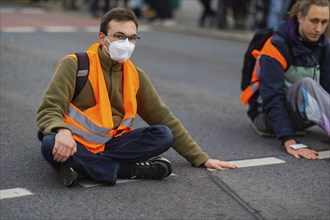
(155, 168)
(69, 176)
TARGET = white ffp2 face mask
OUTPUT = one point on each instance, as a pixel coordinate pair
(121, 50)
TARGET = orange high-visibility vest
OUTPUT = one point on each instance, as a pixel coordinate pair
(94, 126)
(270, 50)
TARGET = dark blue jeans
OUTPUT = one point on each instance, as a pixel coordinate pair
(136, 146)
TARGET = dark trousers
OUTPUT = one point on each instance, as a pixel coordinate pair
(136, 146)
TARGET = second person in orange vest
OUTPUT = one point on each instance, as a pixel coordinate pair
(92, 135)
(290, 85)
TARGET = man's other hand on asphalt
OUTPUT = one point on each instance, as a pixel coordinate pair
(301, 152)
(218, 164)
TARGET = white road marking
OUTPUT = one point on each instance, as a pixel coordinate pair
(25, 29)
(21, 10)
(144, 28)
(324, 154)
(13, 193)
(255, 162)
(7, 10)
(60, 29)
(32, 11)
(91, 29)
(269, 161)
(90, 183)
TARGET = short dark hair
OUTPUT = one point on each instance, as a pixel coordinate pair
(117, 14)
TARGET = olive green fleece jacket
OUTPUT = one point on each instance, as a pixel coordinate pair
(150, 106)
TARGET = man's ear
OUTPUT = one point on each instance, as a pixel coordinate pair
(101, 38)
(300, 17)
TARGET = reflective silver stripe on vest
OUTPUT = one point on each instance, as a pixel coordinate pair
(128, 122)
(86, 123)
(256, 69)
(90, 137)
(254, 87)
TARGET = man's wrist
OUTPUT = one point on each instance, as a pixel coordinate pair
(63, 130)
(287, 139)
(289, 142)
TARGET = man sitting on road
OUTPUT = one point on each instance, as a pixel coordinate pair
(92, 135)
(291, 80)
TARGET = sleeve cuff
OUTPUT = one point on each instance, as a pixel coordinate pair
(284, 139)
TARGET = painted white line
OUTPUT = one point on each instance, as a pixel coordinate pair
(144, 28)
(255, 162)
(324, 154)
(22, 10)
(95, 29)
(13, 193)
(7, 10)
(90, 183)
(32, 11)
(91, 29)
(60, 29)
(269, 161)
(25, 29)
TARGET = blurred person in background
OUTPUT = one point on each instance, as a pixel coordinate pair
(222, 8)
(136, 6)
(69, 4)
(98, 7)
(208, 16)
(95, 6)
(164, 14)
(277, 12)
(240, 10)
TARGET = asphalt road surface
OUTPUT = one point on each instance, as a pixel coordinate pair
(198, 78)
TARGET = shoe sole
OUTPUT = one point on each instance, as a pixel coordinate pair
(69, 176)
(168, 166)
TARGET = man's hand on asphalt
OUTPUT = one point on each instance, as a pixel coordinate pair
(218, 164)
(302, 152)
(65, 146)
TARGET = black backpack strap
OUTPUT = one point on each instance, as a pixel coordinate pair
(81, 78)
(82, 73)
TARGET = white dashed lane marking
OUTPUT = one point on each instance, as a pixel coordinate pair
(13, 193)
(25, 29)
(269, 161)
(59, 29)
(257, 162)
(17, 192)
(324, 154)
(90, 183)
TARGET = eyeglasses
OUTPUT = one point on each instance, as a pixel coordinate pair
(118, 36)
